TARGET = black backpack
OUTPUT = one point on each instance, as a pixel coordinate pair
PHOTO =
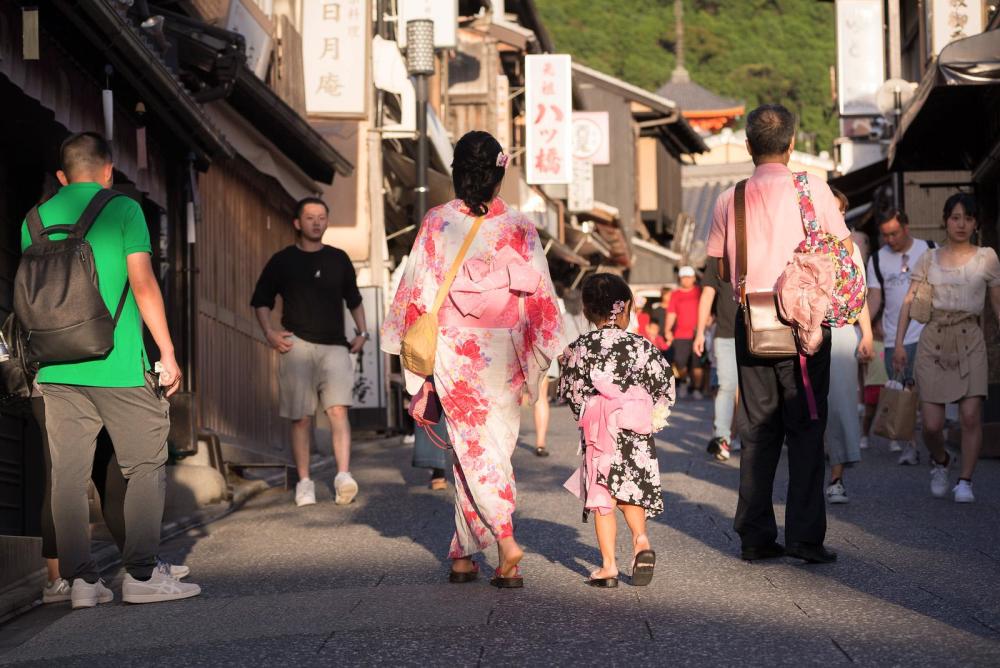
(56, 296)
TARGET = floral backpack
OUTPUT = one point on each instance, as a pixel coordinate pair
(848, 295)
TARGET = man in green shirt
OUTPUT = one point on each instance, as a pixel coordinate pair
(114, 392)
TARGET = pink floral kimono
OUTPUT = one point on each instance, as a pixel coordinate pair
(499, 329)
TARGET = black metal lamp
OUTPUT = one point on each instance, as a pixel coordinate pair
(420, 64)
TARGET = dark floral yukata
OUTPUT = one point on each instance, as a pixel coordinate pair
(630, 361)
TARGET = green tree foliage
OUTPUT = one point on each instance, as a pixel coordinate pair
(753, 50)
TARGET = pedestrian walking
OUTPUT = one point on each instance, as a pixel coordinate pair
(772, 390)
(679, 331)
(315, 282)
(117, 390)
(951, 364)
(717, 300)
(498, 329)
(850, 345)
(621, 391)
(889, 274)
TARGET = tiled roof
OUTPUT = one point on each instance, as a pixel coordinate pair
(689, 96)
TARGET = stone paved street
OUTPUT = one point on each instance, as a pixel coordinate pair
(918, 581)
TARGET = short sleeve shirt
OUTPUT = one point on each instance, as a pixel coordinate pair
(684, 304)
(119, 231)
(897, 271)
(774, 224)
(725, 306)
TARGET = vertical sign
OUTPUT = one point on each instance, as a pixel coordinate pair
(335, 42)
(444, 13)
(581, 191)
(860, 56)
(951, 20)
(503, 112)
(591, 137)
(549, 119)
(248, 20)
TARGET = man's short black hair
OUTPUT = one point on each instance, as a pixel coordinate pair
(770, 129)
(894, 214)
(84, 151)
(302, 203)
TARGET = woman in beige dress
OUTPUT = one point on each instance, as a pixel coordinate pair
(951, 365)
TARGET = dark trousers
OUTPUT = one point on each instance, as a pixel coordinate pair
(106, 476)
(772, 394)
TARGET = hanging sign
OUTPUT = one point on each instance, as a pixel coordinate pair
(591, 137)
(335, 57)
(860, 56)
(444, 13)
(246, 19)
(581, 191)
(549, 119)
(952, 20)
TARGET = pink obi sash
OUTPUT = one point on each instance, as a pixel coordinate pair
(485, 294)
(607, 412)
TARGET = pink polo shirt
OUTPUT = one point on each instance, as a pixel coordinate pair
(774, 224)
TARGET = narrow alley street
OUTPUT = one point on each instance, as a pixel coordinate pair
(915, 584)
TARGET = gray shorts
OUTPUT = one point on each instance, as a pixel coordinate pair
(311, 376)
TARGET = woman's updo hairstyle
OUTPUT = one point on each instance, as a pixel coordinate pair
(475, 171)
(968, 203)
(600, 294)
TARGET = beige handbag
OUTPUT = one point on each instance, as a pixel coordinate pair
(419, 345)
(922, 306)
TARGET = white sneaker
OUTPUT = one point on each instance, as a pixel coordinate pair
(836, 493)
(864, 443)
(156, 589)
(939, 478)
(57, 591)
(963, 492)
(409, 439)
(305, 493)
(176, 571)
(910, 456)
(346, 488)
(894, 446)
(86, 595)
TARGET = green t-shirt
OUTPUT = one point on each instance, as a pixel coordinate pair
(119, 231)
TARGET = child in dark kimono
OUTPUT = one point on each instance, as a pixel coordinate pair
(620, 389)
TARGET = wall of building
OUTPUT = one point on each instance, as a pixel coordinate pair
(615, 183)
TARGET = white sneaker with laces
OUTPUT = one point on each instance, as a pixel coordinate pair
(156, 589)
(305, 493)
(963, 492)
(86, 595)
(346, 488)
(57, 591)
(409, 439)
(835, 493)
(939, 478)
(910, 456)
(176, 571)
(894, 446)
(864, 443)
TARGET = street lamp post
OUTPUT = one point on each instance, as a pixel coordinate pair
(420, 64)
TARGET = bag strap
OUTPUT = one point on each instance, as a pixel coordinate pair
(449, 278)
(121, 302)
(93, 210)
(807, 209)
(740, 201)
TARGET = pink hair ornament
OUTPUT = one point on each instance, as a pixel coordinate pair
(502, 159)
(617, 308)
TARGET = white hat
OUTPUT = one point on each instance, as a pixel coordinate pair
(686, 271)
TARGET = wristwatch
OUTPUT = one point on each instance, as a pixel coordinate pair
(365, 335)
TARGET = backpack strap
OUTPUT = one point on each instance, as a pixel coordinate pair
(35, 228)
(121, 302)
(93, 210)
(807, 209)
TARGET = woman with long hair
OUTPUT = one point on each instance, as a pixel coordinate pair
(951, 364)
(499, 329)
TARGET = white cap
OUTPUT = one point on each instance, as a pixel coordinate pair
(686, 271)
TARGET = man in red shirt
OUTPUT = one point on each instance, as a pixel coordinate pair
(682, 321)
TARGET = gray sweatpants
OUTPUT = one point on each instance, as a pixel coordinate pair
(138, 422)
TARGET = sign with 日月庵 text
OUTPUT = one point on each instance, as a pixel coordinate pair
(549, 119)
(335, 57)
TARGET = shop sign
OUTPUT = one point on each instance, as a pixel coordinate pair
(335, 57)
(591, 137)
(860, 56)
(549, 119)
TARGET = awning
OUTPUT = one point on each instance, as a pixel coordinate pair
(860, 185)
(944, 126)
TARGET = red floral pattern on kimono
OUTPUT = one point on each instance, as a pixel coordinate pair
(494, 344)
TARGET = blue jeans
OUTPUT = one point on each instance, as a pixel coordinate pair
(725, 400)
(911, 358)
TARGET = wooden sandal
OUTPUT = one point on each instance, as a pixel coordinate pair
(514, 581)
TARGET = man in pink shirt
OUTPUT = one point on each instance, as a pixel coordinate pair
(771, 390)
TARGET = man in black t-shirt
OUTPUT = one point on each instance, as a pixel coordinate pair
(315, 368)
(717, 299)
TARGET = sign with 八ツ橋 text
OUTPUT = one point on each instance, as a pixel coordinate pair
(549, 119)
(335, 57)
(860, 56)
(591, 137)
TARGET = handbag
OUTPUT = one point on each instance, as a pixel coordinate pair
(767, 334)
(922, 306)
(426, 411)
(418, 348)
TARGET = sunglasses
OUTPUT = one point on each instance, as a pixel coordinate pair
(905, 268)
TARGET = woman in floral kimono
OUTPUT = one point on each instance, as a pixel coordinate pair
(620, 389)
(498, 330)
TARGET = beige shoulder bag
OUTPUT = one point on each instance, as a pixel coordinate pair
(419, 345)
